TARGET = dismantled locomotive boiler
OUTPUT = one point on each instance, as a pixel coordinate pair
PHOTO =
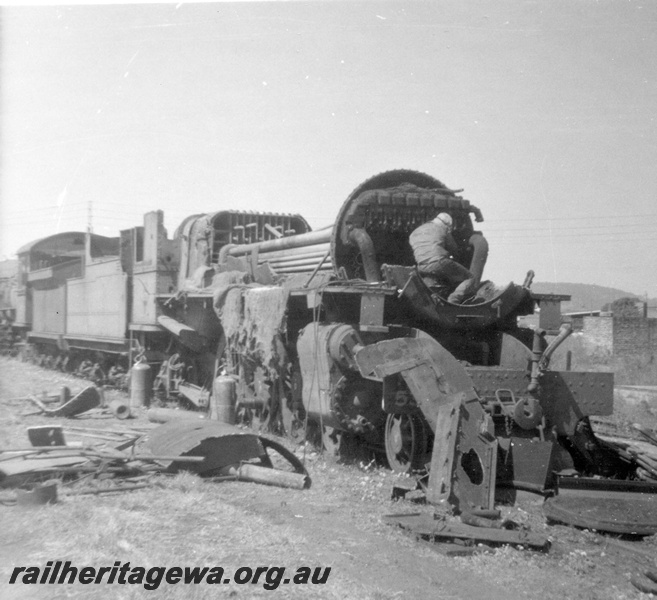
(255, 317)
(336, 330)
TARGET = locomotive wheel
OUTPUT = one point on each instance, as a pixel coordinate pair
(405, 442)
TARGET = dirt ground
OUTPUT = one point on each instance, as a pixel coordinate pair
(185, 521)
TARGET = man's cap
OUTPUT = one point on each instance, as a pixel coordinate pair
(444, 218)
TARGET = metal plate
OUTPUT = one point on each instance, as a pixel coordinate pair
(566, 396)
(221, 445)
(87, 399)
(614, 512)
(432, 374)
(525, 463)
(464, 458)
(426, 526)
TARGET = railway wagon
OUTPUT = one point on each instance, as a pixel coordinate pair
(82, 299)
(8, 334)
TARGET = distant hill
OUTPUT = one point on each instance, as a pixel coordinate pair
(583, 296)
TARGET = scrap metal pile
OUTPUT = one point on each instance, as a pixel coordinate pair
(114, 460)
(465, 471)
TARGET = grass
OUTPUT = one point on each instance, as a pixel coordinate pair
(186, 521)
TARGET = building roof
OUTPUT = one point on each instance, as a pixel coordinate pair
(583, 313)
(70, 243)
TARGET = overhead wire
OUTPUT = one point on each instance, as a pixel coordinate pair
(635, 232)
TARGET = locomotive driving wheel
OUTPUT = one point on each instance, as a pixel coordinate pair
(405, 442)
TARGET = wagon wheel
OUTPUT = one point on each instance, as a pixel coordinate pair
(405, 442)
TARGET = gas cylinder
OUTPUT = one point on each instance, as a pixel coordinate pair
(224, 399)
(140, 384)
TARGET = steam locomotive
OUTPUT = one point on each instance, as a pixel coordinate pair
(333, 330)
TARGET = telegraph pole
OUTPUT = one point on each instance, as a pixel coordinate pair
(89, 216)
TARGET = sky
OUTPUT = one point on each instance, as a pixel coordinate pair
(542, 112)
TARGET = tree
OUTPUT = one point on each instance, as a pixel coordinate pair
(625, 308)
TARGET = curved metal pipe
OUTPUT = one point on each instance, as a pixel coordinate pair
(564, 331)
(541, 359)
(363, 241)
(223, 253)
(479, 255)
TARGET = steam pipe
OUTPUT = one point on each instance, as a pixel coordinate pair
(363, 241)
(479, 255)
(307, 262)
(541, 359)
(223, 253)
(537, 353)
(278, 259)
(324, 267)
(564, 331)
(305, 252)
(294, 241)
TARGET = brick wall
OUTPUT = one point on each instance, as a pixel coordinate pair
(634, 337)
(620, 336)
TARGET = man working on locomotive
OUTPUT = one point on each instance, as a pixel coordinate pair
(433, 246)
